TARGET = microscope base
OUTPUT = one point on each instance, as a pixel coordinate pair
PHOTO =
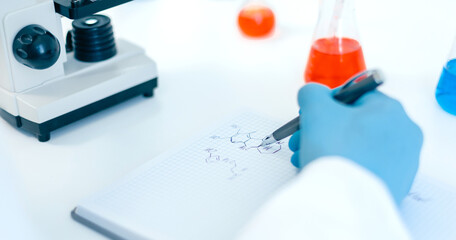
(43, 130)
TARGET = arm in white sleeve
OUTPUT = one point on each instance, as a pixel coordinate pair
(332, 198)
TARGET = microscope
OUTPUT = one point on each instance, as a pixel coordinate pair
(49, 80)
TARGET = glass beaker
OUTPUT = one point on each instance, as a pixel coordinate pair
(446, 88)
(256, 19)
(336, 53)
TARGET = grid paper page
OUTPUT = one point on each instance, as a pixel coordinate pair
(429, 211)
(211, 187)
(207, 190)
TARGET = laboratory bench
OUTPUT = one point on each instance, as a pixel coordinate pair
(208, 71)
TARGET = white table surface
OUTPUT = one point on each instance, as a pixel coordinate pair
(208, 71)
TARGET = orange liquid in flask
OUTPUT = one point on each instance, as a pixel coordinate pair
(332, 61)
(256, 20)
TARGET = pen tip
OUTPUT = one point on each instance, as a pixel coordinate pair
(267, 140)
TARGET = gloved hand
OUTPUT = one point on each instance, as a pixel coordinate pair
(375, 133)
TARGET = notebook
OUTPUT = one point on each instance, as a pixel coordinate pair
(209, 188)
(429, 211)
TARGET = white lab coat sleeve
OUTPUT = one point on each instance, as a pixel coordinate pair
(332, 198)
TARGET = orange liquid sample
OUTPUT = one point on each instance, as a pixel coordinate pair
(256, 20)
(332, 61)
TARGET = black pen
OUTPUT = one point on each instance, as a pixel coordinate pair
(356, 87)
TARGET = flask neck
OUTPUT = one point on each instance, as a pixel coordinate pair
(452, 55)
(336, 20)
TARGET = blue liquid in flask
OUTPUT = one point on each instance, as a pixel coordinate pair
(446, 89)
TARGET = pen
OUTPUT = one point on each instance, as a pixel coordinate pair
(357, 86)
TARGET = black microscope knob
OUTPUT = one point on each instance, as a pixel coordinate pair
(36, 47)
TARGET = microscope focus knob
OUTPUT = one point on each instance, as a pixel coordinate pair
(36, 47)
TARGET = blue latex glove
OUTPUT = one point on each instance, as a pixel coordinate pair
(375, 133)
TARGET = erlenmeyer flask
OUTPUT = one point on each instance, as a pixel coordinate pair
(446, 89)
(336, 54)
(256, 19)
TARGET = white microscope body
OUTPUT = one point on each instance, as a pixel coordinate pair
(42, 89)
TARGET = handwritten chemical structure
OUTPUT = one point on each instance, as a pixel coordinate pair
(418, 197)
(244, 140)
(247, 141)
(215, 158)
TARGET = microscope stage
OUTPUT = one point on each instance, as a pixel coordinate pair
(75, 9)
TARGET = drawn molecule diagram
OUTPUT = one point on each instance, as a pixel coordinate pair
(247, 141)
(418, 197)
(217, 159)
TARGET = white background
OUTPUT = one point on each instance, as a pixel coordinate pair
(208, 71)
